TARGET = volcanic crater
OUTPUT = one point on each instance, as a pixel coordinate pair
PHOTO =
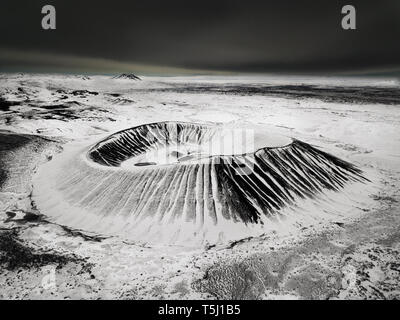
(179, 182)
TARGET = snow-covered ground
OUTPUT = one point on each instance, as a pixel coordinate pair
(355, 255)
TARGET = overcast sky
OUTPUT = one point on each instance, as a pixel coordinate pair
(171, 36)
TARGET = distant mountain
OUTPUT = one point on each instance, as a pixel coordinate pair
(130, 76)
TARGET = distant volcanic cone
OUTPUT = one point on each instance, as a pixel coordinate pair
(187, 183)
(129, 76)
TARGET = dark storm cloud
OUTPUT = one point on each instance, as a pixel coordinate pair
(267, 36)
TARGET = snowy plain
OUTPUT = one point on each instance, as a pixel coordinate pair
(354, 256)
